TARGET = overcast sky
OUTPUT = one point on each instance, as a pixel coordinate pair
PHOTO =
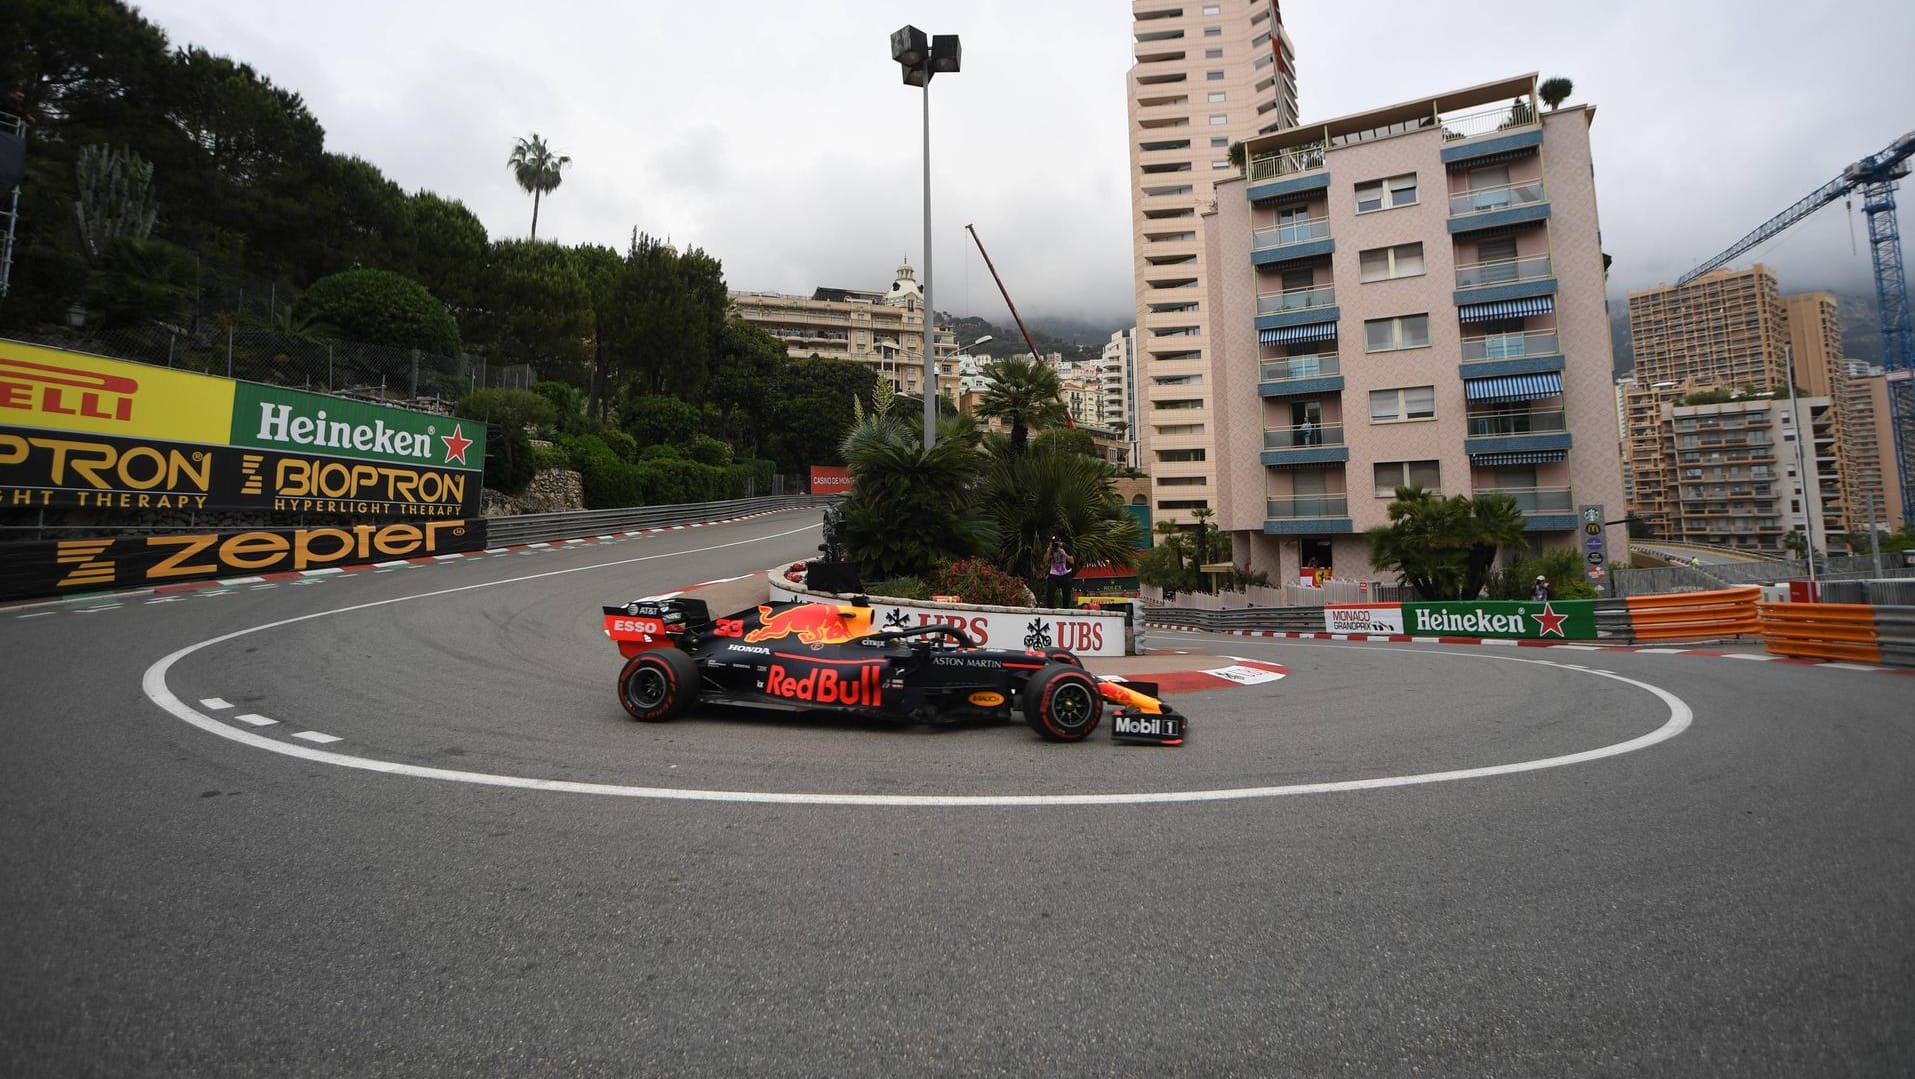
(778, 137)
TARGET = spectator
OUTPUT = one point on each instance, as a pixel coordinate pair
(1062, 562)
(1541, 589)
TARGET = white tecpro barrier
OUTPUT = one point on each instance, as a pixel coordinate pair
(1087, 633)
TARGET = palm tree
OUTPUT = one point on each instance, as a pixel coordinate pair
(1554, 91)
(908, 507)
(1023, 500)
(536, 168)
(1025, 393)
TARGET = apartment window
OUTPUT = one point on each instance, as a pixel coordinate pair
(1220, 142)
(1213, 54)
(1405, 403)
(1182, 481)
(1179, 380)
(1180, 403)
(1383, 194)
(1183, 504)
(1403, 331)
(1393, 474)
(1214, 76)
(1219, 119)
(1220, 163)
(1383, 263)
(1172, 430)
(1216, 96)
(1179, 456)
(1212, 9)
(1213, 31)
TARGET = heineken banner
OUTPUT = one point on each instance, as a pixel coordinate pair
(62, 470)
(61, 567)
(72, 391)
(1565, 619)
(276, 418)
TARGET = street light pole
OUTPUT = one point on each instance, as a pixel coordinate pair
(921, 58)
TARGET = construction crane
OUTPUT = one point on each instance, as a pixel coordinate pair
(1876, 176)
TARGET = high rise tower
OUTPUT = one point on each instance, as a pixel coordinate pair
(1209, 74)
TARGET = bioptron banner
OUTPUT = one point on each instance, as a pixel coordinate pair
(88, 432)
(1564, 619)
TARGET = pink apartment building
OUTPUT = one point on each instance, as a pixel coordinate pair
(1411, 295)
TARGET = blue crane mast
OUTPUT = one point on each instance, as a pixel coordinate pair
(1876, 176)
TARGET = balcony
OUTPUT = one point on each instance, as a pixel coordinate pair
(1291, 241)
(1297, 307)
(1494, 132)
(1304, 444)
(1504, 279)
(1289, 171)
(1497, 207)
(1516, 432)
(1294, 376)
(1310, 514)
(1545, 509)
(1531, 352)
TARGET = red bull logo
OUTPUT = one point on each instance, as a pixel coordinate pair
(823, 685)
(811, 623)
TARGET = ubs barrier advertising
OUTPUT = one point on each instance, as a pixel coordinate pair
(1563, 619)
(1088, 633)
(55, 567)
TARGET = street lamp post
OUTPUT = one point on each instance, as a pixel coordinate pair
(920, 59)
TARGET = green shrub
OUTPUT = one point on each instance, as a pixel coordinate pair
(900, 588)
(622, 445)
(659, 451)
(544, 457)
(508, 459)
(707, 450)
(380, 308)
(978, 581)
(1562, 565)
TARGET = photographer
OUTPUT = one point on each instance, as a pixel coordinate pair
(1062, 563)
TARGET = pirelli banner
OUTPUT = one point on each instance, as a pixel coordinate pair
(80, 431)
(66, 567)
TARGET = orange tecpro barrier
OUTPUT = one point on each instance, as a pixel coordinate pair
(1690, 616)
(1840, 631)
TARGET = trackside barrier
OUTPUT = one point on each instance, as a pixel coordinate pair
(1689, 616)
(1895, 633)
(544, 527)
(1839, 631)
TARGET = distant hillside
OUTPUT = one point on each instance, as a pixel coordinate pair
(1076, 340)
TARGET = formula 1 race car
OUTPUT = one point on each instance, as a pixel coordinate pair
(827, 656)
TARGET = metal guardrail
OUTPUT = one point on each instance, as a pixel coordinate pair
(543, 527)
(1895, 631)
(1612, 619)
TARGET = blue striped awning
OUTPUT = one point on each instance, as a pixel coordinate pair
(1495, 309)
(1513, 388)
(1315, 331)
(1518, 457)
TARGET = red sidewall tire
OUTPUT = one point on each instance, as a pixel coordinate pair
(1062, 703)
(658, 684)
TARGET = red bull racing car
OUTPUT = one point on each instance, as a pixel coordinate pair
(827, 656)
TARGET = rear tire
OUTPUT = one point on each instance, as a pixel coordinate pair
(1062, 703)
(658, 684)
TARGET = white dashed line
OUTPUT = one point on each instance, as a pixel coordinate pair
(92, 610)
(256, 720)
(217, 704)
(36, 614)
(311, 736)
(1749, 655)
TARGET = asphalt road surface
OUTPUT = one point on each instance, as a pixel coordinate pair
(396, 824)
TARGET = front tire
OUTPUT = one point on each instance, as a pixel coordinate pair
(658, 684)
(1062, 703)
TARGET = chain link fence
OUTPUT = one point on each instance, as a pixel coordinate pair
(404, 378)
